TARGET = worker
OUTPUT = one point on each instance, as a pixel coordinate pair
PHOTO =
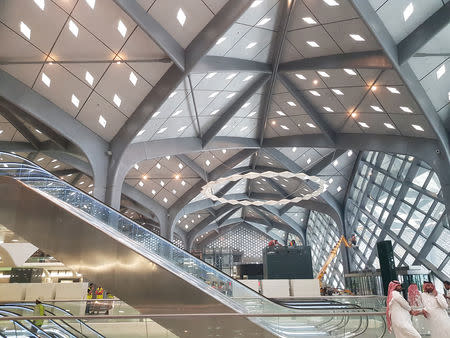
(353, 239)
(99, 293)
(38, 311)
(89, 295)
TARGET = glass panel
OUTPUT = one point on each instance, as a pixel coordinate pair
(425, 203)
(403, 212)
(436, 256)
(408, 235)
(419, 243)
(444, 240)
(428, 227)
(411, 196)
(421, 177)
(416, 219)
(434, 185)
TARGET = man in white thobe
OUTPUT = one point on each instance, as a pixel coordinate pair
(436, 306)
(447, 291)
(398, 313)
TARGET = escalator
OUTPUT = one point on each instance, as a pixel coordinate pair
(146, 271)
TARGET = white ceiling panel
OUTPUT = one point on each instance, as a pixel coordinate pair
(8, 131)
(325, 13)
(251, 44)
(229, 39)
(317, 34)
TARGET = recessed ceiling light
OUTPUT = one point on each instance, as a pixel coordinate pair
(122, 28)
(89, 78)
(180, 165)
(349, 153)
(251, 45)
(222, 39)
(182, 128)
(178, 112)
(40, 159)
(335, 163)
(247, 78)
(309, 20)
(156, 114)
(214, 112)
(339, 189)
(75, 101)
(186, 226)
(161, 183)
(38, 131)
(117, 100)
(417, 127)
(224, 151)
(376, 108)
(141, 132)
(46, 79)
(406, 109)
(172, 94)
(25, 30)
(313, 44)
(328, 109)
(357, 37)
(91, 3)
(153, 191)
(308, 160)
(354, 114)
(54, 160)
(350, 71)
(408, 11)
(136, 166)
(331, 2)
(389, 126)
(229, 77)
(363, 124)
(310, 125)
(208, 163)
(162, 130)
(279, 112)
(315, 93)
(40, 3)
(256, 3)
(294, 149)
(224, 127)
(245, 105)
(102, 121)
(252, 114)
(56, 166)
(181, 17)
(158, 165)
(337, 91)
(284, 127)
(393, 90)
(133, 78)
(183, 183)
(81, 183)
(229, 96)
(274, 122)
(210, 75)
(141, 184)
(300, 76)
(165, 199)
(292, 104)
(440, 72)
(244, 128)
(323, 74)
(263, 21)
(174, 191)
(73, 28)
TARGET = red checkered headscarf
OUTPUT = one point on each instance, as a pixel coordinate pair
(414, 298)
(391, 288)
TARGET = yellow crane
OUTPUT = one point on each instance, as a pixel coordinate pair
(330, 258)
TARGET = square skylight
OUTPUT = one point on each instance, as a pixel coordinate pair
(251, 45)
(73, 28)
(292, 104)
(122, 28)
(153, 191)
(279, 112)
(389, 126)
(156, 114)
(263, 21)
(309, 20)
(222, 39)
(25, 30)
(46, 79)
(141, 132)
(331, 2)
(40, 4)
(117, 100)
(417, 127)
(89, 78)
(328, 109)
(181, 129)
(376, 108)
(330, 180)
(178, 112)
(247, 78)
(440, 72)
(408, 11)
(75, 101)
(406, 109)
(308, 160)
(210, 75)
(141, 184)
(165, 200)
(133, 78)
(183, 183)
(300, 76)
(214, 112)
(91, 3)
(349, 153)
(229, 96)
(181, 17)
(363, 124)
(310, 125)
(357, 37)
(339, 189)
(313, 44)
(162, 130)
(208, 162)
(161, 183)
(335, 163)
(172, 94)
(158, 165)
(256, 3)
(102, 121)
(314, 92)
(350, 71)
(337, 91)
(393, 90)
(323, 74)
(284, 127)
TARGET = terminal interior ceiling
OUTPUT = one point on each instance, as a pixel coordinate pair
(141, 103)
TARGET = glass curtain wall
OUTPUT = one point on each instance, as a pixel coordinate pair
(398, 198)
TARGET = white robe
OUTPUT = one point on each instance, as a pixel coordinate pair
(438, 318)
(400, 317)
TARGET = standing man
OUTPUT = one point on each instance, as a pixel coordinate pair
(447, 291)
(436, 307)
(398, 313)
(38, 311)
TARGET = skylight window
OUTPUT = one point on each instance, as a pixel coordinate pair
(73, 28)
(133, 78)
(350, 71)
(314, 92)
(40, 4)
(323, 74)
(162, 130)
(292, 104)
(178, 112)
(263, 21)
(136, 166)
(172, 94)
(339, 189)
(309, 20)
(245, 105)
(158, 165)
(308, 160)
(186, 226)
(231, 95)
(46, 79)
(89, 78)
(393, 90)
(141, 184)
(102, 121)
(141, 132)
(331, 2)
(349, 153)
(300, 76)
(208, 162)
(376, 108)
(38, 131)
(284, 127)
(183, 183)
(39, 159)
(182, 128)
(251, 45)
(91, 3)
(174, 191)
(279, 112)
(224, 151)
(407, 12)
(357, 37)
(181, 17)
(337, 91)
(406, 109)
(117, 100)
(122, 28)
(75, 101)
(256, 3)
(210, 75)
(294, 149)
(310, 125)
(156, 114)
(222, 39)
(25, 30)
(335, 163)
(440, 72)
(214, 112)
(313, 44)
(389, 126)
(161, 183)
(165, 200)
(56, 166)
(180, 165)
(328, 109)
(363, 124)
(153, 191)
(417, 127)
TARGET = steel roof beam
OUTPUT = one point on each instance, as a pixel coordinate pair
(211, 63)
(369, 60)
(423, 34)
(20, 126)
(194, 166)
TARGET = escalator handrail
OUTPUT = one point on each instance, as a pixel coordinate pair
(12, 314)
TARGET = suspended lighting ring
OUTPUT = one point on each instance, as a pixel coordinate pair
(207, 189)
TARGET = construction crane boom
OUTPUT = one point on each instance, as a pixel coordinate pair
(330, 258)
